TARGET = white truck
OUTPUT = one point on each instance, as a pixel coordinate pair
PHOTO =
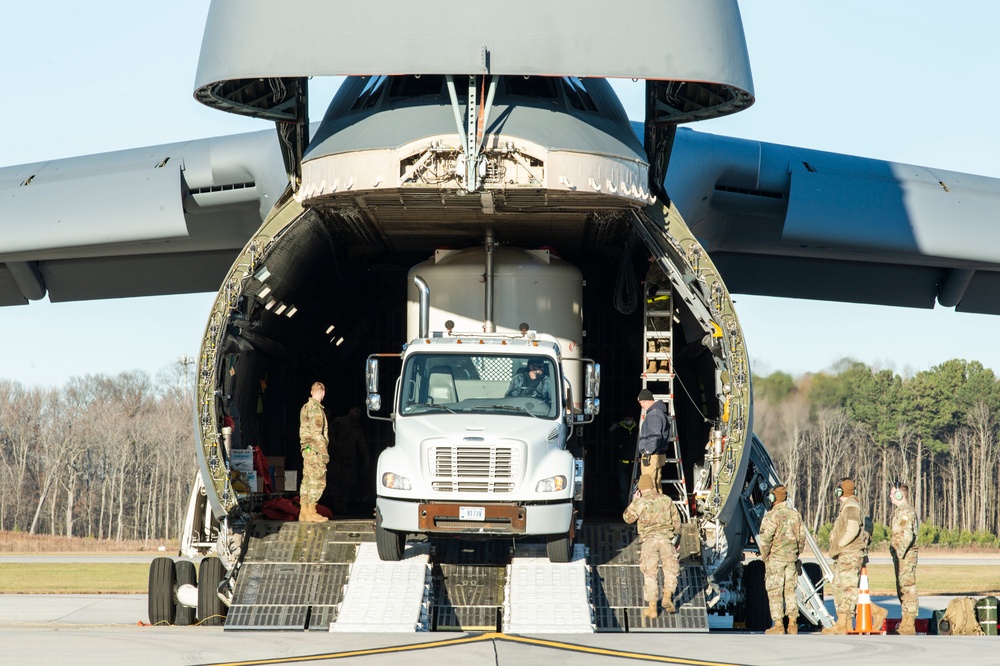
(491, 391)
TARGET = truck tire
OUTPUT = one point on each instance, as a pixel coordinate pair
(757, 610)
(184, 574)
(559, 548)
(390, 544)
(161, 591)
(211, 610)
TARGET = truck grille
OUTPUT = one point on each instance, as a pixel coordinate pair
(476, 469)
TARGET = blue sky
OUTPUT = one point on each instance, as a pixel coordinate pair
(903, 81)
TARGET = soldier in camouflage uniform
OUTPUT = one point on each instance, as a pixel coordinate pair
(849, 550)
(314, 439)
(781, 540)
(347, 449)
(657, 520)
(903, 548)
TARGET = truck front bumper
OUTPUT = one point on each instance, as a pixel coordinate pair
(498, 519)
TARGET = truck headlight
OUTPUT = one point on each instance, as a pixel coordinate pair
(551, 484)
(395, 481)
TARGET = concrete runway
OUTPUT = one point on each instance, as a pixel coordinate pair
(101, 629)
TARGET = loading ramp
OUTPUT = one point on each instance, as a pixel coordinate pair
(327, 577)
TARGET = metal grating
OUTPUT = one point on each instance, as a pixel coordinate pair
(272, 617)
(610, 620)
(466, 618)
(295, 573)
(692, 611)
(321, 617)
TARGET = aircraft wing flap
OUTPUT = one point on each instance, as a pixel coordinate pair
(120, 207)
(137, 275)
(911, 211)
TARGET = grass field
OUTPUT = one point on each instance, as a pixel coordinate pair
(73, 578)
(131, 578)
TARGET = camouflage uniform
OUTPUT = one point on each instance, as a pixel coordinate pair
(903, 548)
(847, 561)
(781, 540)
(657, 520)
(348, 446)
(314, 439)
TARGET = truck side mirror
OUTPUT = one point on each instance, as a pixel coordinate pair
(592, 380)
(374, 400)
(371, 375)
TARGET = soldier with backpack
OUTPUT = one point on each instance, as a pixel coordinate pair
(849, 551)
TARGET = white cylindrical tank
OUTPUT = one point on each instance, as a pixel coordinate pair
(531, 286)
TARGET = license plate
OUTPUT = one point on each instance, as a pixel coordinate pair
(472, 513)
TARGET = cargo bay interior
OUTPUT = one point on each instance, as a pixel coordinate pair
(327, 296)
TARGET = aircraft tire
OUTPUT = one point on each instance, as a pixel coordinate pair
(162, 583)
(390, 544)
(559, 548)
(184, 574)
(211, 609)
(757, 612)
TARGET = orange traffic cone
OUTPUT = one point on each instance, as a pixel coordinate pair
(863, 619)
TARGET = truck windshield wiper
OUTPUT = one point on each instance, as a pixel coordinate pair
(514, 408)
(432, 406)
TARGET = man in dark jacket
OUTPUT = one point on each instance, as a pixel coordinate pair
(654, 433)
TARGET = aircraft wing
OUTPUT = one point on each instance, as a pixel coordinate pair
(778, 220)
(800, 223)
(159, 220)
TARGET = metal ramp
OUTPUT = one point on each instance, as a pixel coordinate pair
(545, 598)
(386, 596)
(617, 586)
(468, 584)
(293, 574)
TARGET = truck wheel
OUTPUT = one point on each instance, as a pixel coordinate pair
(390, 544)
(161, 591)
(184, 574)
(211, 610)
(559, 548)
(757, 611)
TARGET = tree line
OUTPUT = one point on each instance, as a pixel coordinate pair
(108, 457)
(935, 430)
(112, 457)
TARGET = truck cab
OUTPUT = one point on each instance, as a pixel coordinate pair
(483, 423)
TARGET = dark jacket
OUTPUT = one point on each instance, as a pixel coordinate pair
(654, 430)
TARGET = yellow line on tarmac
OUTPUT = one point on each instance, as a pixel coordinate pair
(609, 653)
(489, 636)
(357, 653)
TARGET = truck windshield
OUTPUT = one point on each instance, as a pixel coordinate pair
(486, 384)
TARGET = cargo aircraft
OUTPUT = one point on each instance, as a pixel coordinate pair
(470, 126)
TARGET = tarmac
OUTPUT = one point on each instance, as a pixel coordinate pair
(101, 629)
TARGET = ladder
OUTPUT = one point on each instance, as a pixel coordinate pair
(658, 376)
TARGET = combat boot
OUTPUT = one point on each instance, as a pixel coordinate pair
(793, 625)
(317, 517)
(878, 617)
(668, 603)
(304, 511)
(651, 367)
(650, 612)
(840, 627)
(778, 627)
(906, 626)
